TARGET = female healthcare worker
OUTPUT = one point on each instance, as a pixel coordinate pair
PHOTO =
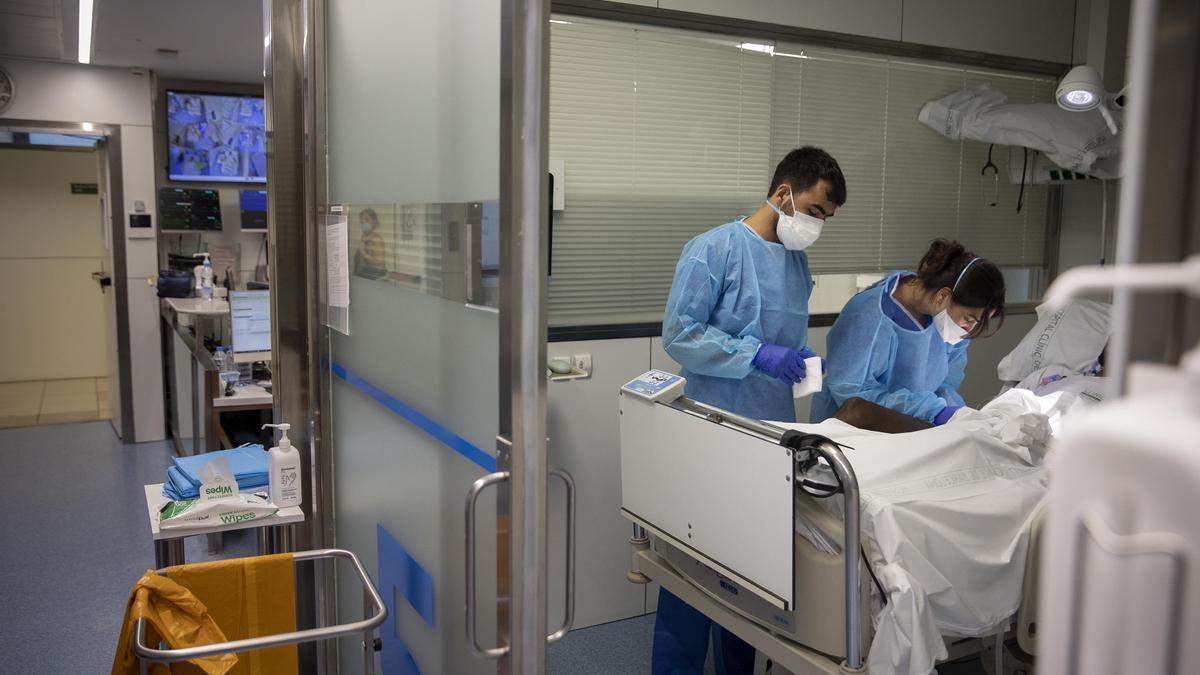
(902, 343)
(737, 321)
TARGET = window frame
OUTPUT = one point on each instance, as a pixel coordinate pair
(754, 30)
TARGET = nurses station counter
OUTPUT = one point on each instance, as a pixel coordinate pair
(195, 400)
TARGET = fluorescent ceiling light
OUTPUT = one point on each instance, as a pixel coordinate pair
(87, 126)
(85, 31)
(757, 47)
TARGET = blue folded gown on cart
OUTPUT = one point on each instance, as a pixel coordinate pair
(248, 463)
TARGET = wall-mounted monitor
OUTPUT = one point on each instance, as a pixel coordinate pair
(215, 137)
(188, 209)
(254, 209)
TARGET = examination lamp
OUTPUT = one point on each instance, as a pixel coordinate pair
(1081, 90)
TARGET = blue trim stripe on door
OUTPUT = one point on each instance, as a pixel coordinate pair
(399, 571)
(455, 442)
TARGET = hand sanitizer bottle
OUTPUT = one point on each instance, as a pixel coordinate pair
(283, 465)
(205, 276)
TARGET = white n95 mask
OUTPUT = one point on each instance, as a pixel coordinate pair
(797, 231)
(951, 332)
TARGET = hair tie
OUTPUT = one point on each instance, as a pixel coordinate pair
(960, 275)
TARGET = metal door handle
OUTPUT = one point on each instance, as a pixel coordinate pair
(569, 609)
(472, 499)
(569, 602)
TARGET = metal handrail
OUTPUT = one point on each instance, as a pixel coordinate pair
(266, 641)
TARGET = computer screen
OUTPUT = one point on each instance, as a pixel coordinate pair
(250, 313)
(215, 137)
(254, 209)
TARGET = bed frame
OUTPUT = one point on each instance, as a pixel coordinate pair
(725, 541)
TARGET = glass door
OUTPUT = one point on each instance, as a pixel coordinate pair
(439, 327)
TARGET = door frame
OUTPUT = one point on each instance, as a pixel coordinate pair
(295, 84)
(108, 152)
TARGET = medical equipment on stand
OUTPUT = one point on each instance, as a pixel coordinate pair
(1120, 591)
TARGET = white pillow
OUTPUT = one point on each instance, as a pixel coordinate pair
(1072, 337)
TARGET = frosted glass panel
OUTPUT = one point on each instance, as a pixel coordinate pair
(413, 158)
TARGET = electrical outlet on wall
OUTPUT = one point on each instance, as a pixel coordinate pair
(582, 362)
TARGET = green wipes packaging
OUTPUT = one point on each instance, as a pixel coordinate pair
(220, 503)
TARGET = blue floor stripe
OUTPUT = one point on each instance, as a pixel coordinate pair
(457, 443)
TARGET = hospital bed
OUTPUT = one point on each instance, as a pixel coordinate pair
(725, 517)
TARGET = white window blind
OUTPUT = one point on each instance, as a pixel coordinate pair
(666, 134)
(663, 135)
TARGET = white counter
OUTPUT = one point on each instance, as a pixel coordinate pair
(199, 306)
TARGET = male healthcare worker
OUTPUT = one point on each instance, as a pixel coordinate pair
(737, 323)
(902, 343)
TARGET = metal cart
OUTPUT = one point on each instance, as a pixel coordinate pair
(373, 608)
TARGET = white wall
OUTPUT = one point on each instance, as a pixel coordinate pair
(1083, 223)
(1034, 29)
(50, 244)
(63, 92)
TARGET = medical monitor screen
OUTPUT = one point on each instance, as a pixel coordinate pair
(188, 209)
(250, 314)
(254, 209)
(215, 137)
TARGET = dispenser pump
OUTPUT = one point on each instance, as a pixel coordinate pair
(284, 441)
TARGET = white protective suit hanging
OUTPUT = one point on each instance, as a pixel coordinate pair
(1072, 140)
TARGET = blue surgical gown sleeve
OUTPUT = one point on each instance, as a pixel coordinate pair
(689, 335)
(859, 361)
(954, 377)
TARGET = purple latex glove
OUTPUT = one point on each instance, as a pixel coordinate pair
(782, 362)
(945, 415)
(807, 353)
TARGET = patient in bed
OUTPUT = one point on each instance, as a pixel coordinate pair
(947, 509)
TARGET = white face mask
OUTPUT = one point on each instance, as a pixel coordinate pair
(951, 332)
(797, 231)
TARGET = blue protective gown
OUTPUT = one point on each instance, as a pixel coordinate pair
(733, 291)
(879, 356)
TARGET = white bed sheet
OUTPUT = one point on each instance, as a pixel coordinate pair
(948, 511)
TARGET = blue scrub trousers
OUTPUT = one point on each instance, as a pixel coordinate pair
(681, 642)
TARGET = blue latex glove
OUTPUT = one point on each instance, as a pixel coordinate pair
(782, 362)
(945, 415)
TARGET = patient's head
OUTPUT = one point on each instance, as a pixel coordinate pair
(969, 288)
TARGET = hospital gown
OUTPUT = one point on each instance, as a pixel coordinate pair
(732, 292)
(871, 356)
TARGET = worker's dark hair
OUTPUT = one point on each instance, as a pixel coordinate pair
(803, 167)
(370, 214)
(980, 286)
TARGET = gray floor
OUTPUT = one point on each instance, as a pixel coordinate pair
(75, 539)
(618, 648)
